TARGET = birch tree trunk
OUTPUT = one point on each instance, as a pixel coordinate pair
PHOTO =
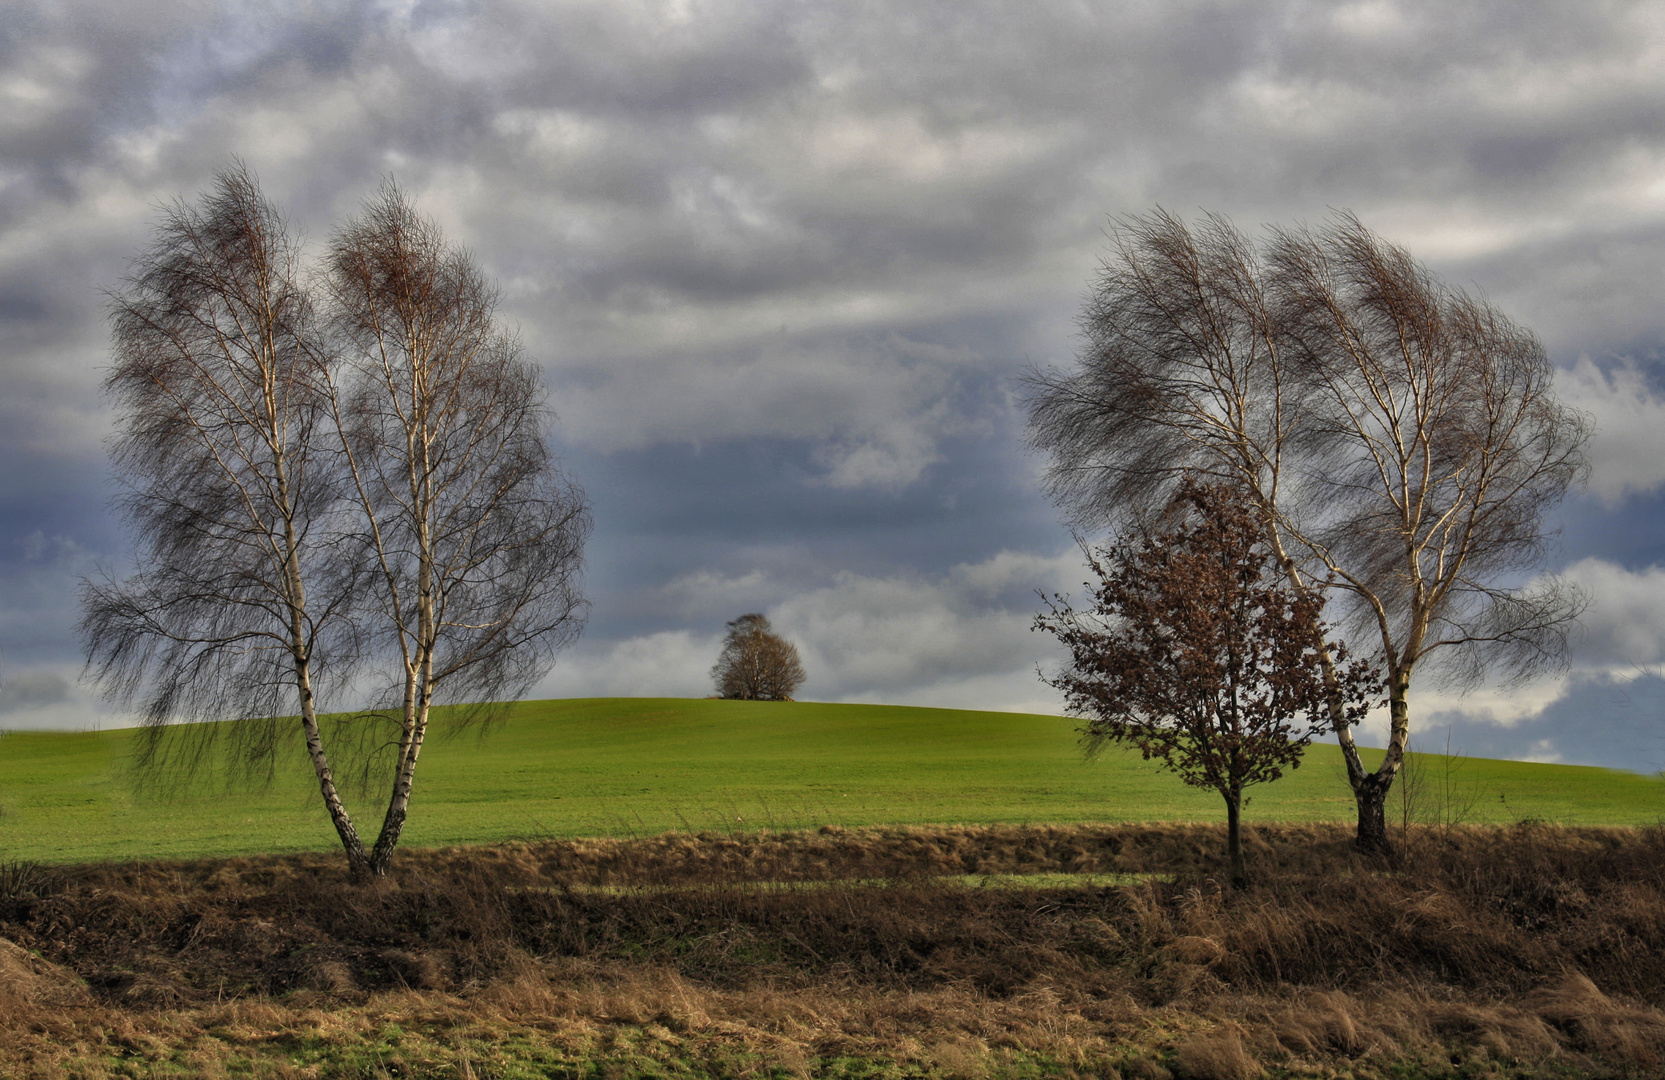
(475, 537)
(220, 378)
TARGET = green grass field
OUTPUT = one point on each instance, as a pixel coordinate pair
(642, 766)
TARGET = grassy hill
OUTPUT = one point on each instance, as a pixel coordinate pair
(641, 766)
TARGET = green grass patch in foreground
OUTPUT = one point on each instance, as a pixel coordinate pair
(651, 1052)
(642, 766)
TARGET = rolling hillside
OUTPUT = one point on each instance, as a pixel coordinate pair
(641, 766)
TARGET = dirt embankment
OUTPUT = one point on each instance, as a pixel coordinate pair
(1500, 949)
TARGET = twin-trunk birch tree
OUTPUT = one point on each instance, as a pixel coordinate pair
(328, 478)
(1401, 439)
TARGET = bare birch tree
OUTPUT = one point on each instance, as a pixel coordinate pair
(226, 450)
(312, 494)
(1437, 445)
(1400, 439)
(473, 536)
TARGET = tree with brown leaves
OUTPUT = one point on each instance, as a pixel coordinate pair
(756, 663)
(1400, 439)
(1196, 652)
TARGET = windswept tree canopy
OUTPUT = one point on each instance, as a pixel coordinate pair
(332, 477)
(1400, 438)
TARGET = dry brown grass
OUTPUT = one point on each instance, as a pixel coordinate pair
(1502, 949)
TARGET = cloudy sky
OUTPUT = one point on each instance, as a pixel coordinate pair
(781, 263)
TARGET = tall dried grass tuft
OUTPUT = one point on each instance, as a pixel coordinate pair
(32, 988)
(1214, 1055)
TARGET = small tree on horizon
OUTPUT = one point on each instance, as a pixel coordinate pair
(756, 663)
(1197, 654)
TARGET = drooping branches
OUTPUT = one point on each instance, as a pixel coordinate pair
(1181, 375)
(221, 381)
(317, 484)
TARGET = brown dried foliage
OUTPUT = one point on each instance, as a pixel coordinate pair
(1515, 946)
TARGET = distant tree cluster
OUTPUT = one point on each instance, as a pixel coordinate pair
(338, 475)
(756, 663)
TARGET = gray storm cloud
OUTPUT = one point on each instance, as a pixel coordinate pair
(782, 262)
(31, 689)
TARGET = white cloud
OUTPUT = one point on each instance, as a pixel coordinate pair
(719, 221)
(705, 590)
(51, 697)
(1603, 710)
(1620, 633)
(961, 639)
(1624, 627)
(1588, 718)
(671, 663)
(32, 690)
(1628, 450)
(1489, 704)
(1023, 570)
(875, 410)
